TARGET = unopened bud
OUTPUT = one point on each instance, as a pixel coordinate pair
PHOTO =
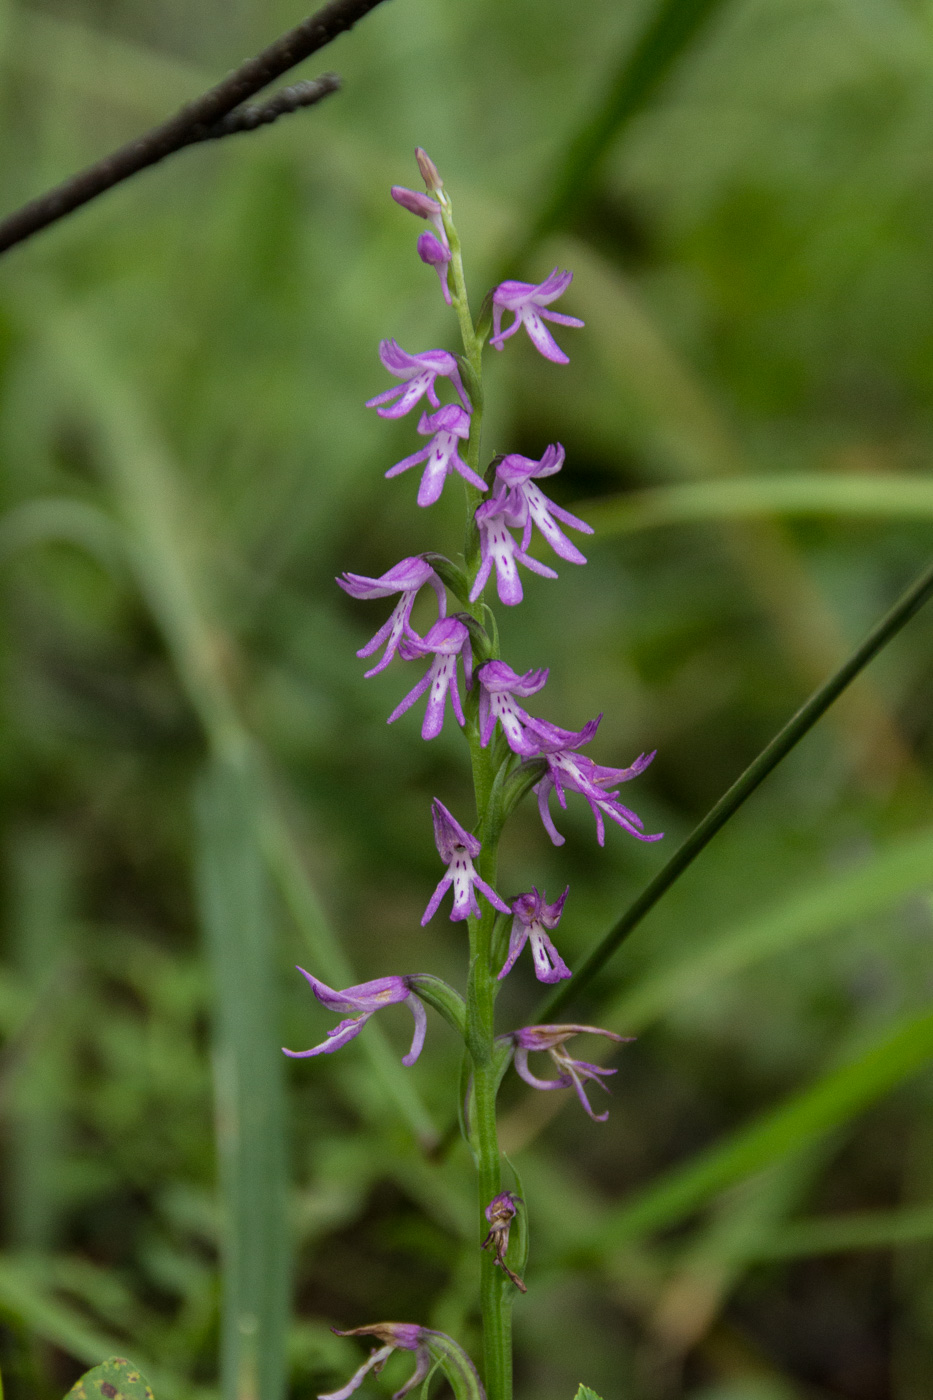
(429, 171)
(415, 202)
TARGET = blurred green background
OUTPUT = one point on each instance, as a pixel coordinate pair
(199, 788)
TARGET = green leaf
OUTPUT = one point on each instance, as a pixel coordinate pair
(584, 1393)
(117, 1379)
(249, 1081)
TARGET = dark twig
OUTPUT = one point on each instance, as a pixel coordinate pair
(755, 774)
(196, 121)
(289, 99)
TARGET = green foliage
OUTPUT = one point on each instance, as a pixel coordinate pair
(115, 1379)
(584, 1393)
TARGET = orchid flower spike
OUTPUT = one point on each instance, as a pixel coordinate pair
(458, 849)
(430, 1348)
(570, 771)
(527, 301)
(440, 455)
(526, 503)
(363, 1000)
(534, 917)
(445, 641)
(575, 1073)
(418, 373)
(407, 578)
(500, 1213)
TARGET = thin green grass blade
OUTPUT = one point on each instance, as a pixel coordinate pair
(642, 68)
(892, 874)
(888, 497)
(727, 806)
(833, 1100)
(882, 1229)
(249, 1082)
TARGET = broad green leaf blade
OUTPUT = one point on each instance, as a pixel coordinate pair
(116, 1379)
(584, 1393)
(834, 1099)
(249, 1082)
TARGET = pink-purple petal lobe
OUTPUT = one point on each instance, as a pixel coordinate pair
(337, 1038)
(449, 834)
(375, 1362)
(416, 1007)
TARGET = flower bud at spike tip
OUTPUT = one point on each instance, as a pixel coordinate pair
(429, 171)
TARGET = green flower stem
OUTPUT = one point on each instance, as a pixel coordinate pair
(495, 1288)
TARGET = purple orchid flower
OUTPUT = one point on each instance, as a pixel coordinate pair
(525, 735)
(500, 1213)
(363, 1000)
(527, 301)
(441, 455)
(498, 685)
(418, 373)
(430, 1348)
(526, 504)
(533, 918)
(395, 1336)
(569, 770)
(498, 546)
(445, 641)
(458, 849)
(575, 1073)
(406, 577)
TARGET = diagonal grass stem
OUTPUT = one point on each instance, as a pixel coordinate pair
(727, 806)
